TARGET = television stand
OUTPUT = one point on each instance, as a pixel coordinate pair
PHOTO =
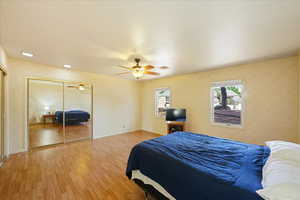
(174, 126)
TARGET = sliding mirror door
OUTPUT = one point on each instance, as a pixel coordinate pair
(45, 113)
(78, 111)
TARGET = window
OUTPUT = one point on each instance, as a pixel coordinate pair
(227, 103)
(162, 100)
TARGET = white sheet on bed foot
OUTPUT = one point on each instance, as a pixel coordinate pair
(137, 174)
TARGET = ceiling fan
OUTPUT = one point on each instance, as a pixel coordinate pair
(79, 86)
(139, 71)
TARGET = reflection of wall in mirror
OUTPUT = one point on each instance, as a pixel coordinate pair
(47, 98)
(76, 99)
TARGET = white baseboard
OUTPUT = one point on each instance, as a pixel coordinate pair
(5, 158)
(116, 133)
(17, 151)
(151, 131)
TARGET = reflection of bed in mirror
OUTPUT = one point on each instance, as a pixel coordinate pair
(72, 117)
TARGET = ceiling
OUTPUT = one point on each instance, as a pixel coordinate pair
(187, 36)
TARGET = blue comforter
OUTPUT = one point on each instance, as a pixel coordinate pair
(199, 167)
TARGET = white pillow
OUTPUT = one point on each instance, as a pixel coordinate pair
(278, 171)
(284, 150)
(278, 145)
(281, 171)
(286, 191)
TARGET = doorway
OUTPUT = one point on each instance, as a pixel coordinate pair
(58, 112)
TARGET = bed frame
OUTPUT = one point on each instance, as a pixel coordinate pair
(150, 192)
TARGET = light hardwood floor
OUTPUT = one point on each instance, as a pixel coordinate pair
(80, 170)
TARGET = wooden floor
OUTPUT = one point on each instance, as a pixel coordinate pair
(80, 170)
(52, 133)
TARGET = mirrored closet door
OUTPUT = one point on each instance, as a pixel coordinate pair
(58, 112)
(78, 111)
(45, 116)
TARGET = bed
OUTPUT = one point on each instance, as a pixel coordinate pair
(72, 116)
(188, 166)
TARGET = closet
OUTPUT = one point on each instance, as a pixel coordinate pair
(58, 112)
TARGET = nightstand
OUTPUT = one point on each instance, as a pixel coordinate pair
(48, 116)
(174, 126)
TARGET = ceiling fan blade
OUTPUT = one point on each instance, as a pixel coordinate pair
(147, 67)
(123, 67)
(123, 73)
(152, 73)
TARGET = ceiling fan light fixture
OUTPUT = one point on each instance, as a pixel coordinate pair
(138, 73)
(81, 87)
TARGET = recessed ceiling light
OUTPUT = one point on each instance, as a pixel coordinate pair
(67, 66)
(27, 54)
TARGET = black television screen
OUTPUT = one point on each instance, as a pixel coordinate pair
(174, 114)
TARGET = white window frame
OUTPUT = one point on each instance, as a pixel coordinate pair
(161, 114)
(212, 113)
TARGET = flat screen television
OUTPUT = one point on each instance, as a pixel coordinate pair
(176, 114)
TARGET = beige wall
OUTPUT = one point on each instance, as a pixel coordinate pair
(272, 90)
(115, 100)
(271, 101)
